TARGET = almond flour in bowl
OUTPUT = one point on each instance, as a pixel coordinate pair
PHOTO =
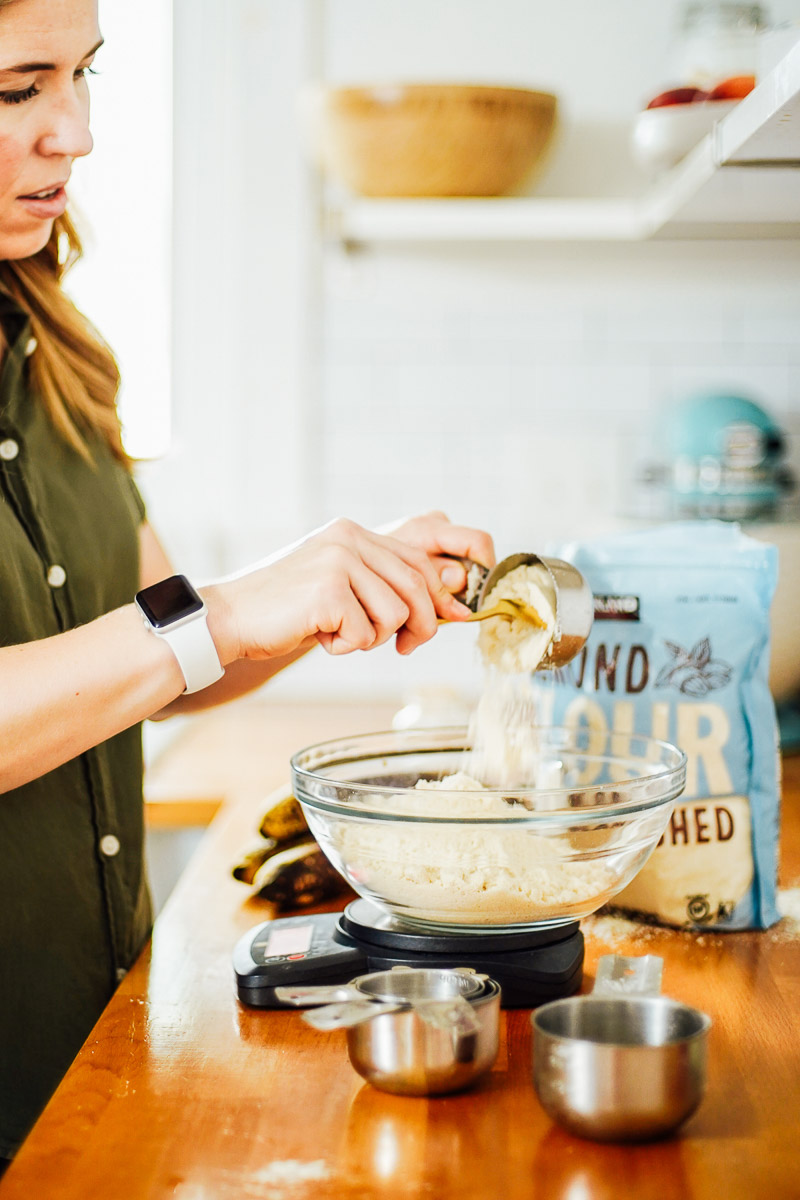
(439, 849)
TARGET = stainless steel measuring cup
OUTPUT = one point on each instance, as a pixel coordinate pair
(438, 995)
(574, 600)
(404, 1053)
(624, 1063)
(415, 1031)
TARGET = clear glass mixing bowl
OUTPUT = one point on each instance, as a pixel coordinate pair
(467, 859)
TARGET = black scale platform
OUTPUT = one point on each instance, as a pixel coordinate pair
(531, 965)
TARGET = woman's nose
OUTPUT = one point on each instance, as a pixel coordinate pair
(67, 131)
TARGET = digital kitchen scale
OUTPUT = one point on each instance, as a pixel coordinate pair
(532, 965)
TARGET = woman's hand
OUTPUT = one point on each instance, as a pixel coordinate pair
(346, 586)
(440, 539)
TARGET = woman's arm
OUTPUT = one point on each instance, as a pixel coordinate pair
(433, 533)
(63, 694)
(343, 587)
(240, 677)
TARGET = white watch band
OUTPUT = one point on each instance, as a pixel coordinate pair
(192, 644)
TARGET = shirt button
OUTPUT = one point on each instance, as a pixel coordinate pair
(109, 845)
(30, 346)
(121, 973)
(9, 449)
(56, 576)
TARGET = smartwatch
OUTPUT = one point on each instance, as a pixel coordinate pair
(174, 611)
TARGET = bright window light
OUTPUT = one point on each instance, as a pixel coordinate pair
(121, 198)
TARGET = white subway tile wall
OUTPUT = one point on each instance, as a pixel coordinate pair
(519, 390)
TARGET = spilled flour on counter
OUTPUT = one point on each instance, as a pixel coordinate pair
(789, 905)
(292, 1171)
(281, 1179)
(788, 928)
(613, 931)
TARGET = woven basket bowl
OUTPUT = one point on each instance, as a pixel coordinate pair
(433, 139)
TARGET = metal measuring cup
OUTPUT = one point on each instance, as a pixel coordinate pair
(412, 1031)
(624, 1063)
(438, 995)
(574, 608)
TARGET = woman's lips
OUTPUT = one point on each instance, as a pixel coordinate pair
(46, 207)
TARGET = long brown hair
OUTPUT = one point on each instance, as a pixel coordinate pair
(73, 370)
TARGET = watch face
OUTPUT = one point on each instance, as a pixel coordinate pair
(169, 601)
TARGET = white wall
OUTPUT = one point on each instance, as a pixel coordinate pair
(122, 195)
(512, 386)
(231, 487)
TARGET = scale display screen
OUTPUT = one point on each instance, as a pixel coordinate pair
(288, 939)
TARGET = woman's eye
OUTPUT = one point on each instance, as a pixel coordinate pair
(19, 97)
(29, 92)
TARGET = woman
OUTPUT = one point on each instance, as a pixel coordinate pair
(81, 664)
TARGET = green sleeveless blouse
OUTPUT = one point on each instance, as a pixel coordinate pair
(74, 902)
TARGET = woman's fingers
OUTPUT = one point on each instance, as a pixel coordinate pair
(396, 586)
(445, 543)
(350, 607)
(408, 582)
(386, 606)
(462, 542)
(452, 573)
(366, 594)
(347, 628)
(445, 605)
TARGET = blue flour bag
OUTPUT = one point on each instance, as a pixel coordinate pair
(679, 650)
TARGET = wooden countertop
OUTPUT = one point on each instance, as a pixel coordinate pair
(181, 1092)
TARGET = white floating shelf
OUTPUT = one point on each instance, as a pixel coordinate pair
(470, 220)
(742, 180)
(765, 127)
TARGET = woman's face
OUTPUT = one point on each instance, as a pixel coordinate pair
(46, 50)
